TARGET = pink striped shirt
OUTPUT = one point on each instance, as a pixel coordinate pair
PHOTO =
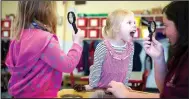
(114, 65)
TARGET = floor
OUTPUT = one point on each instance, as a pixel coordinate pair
(5, 95)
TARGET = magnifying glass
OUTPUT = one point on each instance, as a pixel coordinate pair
(151, 26)
(71, 19)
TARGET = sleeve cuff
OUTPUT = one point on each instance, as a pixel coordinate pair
(77, 46)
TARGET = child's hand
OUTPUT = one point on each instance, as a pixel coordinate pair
(78, 37)
(87, 87)
(79, 88)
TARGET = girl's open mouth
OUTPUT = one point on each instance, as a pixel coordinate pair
(132, 33)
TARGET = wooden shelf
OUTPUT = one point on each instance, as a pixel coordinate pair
(151, 15)
(135, 39)
(161, 27)
(138, 39)
(93, 38)
(5, 28)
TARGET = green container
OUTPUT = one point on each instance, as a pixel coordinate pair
(81, 15)
(92, 15)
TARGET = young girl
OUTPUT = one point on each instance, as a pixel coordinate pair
(114, 56)
(35, 59)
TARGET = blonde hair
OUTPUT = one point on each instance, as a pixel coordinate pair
(41, 12)
(114, 21)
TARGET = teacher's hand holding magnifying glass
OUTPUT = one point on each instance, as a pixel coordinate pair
(151, 46)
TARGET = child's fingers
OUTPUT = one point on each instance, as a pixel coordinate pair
(110, 90)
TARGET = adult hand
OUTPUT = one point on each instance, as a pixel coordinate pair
(118, 89)
(153, 48)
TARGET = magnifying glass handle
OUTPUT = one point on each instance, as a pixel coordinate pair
(75, 28)
(150, 36)
(144, 21)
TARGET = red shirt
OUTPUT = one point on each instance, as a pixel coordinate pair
(176, 81)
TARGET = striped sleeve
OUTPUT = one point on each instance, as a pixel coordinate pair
(96, 68)
(130, 67)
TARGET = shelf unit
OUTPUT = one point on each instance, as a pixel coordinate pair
(86, 25)
(6, 28)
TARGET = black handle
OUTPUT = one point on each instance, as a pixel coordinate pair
(144, 21)
(74, 27)
(150, 30)
(150, 36)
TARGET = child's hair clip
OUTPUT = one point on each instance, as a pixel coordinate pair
(37, 26)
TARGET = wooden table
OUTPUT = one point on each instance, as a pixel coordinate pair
(83, 94)
(135, 77)
(72, 91)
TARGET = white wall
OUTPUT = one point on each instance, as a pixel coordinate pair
(108, 6)
(8, 7)
(60, 28)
